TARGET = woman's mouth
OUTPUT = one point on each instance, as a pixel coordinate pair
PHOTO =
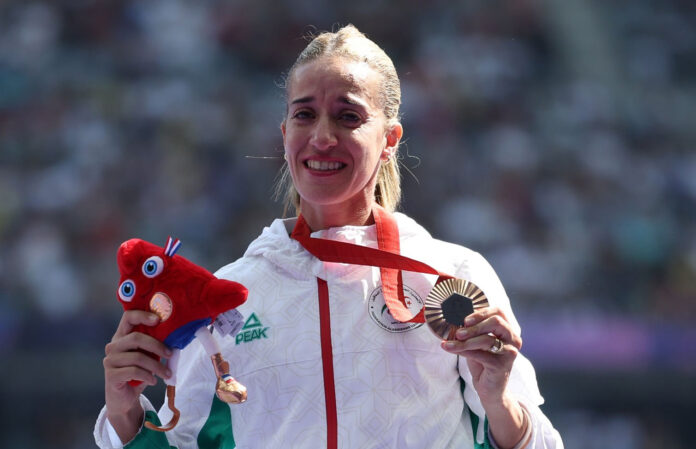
(324, 165)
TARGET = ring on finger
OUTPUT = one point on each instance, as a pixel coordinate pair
(497, 346)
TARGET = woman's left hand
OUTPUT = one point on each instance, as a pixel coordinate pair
(483, 333)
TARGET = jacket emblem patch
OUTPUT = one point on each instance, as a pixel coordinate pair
(379, 312)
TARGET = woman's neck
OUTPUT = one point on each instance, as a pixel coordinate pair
(332, 216)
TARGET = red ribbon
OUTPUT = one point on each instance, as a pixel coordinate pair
(387, 256)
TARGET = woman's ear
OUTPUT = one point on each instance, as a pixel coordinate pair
(282, 130)
(394, 134)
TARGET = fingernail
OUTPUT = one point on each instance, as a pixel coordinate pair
(153, 318)
(468, 321)
(448, 344)
(462, 332)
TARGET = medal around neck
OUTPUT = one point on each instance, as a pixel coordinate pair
(449, 302)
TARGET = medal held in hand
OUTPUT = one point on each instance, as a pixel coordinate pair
(449, 302)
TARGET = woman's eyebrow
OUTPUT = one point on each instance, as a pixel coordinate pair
(342, 99)
(352, 101)
(303, 100)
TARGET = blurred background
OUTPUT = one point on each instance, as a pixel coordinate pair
(555, 137)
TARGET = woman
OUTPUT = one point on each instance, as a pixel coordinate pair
(322, 353)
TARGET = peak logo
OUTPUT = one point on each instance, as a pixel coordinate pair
(252, 330)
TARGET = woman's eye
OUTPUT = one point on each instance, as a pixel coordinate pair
(350, 117)
(153, 266)
(302, 114)
(126, 290)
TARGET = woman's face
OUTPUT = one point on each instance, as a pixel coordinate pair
(335, 133)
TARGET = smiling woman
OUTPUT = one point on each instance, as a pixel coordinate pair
(366, 62)
(334, 352)
(336, 137)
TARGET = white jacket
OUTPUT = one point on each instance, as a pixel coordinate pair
(394, 386)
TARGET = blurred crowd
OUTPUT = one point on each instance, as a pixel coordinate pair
(555, 137)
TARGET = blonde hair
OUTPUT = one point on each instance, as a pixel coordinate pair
(349, 42)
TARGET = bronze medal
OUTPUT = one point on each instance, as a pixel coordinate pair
(161, 305)
(449, 302)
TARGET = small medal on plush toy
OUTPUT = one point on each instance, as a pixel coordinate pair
(449, 302)
(186, 298)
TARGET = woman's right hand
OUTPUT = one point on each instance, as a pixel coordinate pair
(125, 361)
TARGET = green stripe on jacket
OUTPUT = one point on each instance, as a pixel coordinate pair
(216, 433)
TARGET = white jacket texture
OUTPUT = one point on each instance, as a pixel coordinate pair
(394, 386)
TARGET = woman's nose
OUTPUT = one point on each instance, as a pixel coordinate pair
(323, 135)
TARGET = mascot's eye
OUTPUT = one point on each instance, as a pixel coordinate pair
(126, 290)
(153, 266)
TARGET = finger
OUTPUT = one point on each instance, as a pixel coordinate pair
(479, 348)
(120, 376)
(132, 318)
(137, 341)
(477, 343)
(138, 360)
(482, 314)
(501, 361)
(496, 325)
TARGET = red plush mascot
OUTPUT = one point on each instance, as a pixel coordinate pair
(187, 298)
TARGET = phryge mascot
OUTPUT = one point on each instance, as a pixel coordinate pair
(187, 298)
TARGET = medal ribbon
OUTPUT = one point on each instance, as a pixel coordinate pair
(386, 256)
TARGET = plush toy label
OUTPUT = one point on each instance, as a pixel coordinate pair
(229, 323)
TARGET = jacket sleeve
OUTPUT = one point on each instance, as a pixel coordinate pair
(522, 383)
(205, 421)
(106, 438)
(543, 435)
